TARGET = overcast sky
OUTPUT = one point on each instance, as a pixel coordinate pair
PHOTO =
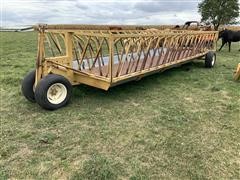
(27, 12)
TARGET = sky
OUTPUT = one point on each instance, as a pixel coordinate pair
(28, 12)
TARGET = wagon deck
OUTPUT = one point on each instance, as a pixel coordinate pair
(104, 56)
(133, 66)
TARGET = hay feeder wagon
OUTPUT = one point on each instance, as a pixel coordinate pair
(105, 56)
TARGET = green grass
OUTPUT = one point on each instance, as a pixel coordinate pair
(183, 123)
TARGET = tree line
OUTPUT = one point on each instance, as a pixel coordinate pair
(219, 12)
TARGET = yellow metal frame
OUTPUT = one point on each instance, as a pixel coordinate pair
(237, 73)
(105, 56)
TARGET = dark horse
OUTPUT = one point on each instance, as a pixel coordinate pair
(229, 36)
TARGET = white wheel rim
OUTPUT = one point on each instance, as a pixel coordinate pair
(213, 60)
(56, 93)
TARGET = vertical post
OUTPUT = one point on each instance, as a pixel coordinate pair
(216, 35)
(69, 53)
(40, 55)
(111, 55)
(237, 74)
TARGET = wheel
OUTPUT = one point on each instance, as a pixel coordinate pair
(28, 86)
(53, 91)
(210, 59)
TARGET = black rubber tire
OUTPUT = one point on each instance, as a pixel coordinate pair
(210, 59)
(43, 86)
(27, 86)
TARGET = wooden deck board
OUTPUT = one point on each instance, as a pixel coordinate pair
(131, 67)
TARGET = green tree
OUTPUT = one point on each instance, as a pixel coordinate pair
(219, 12)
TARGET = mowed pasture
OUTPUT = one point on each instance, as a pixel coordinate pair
(183, 123)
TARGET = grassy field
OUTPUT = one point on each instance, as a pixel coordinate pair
(183, 123)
